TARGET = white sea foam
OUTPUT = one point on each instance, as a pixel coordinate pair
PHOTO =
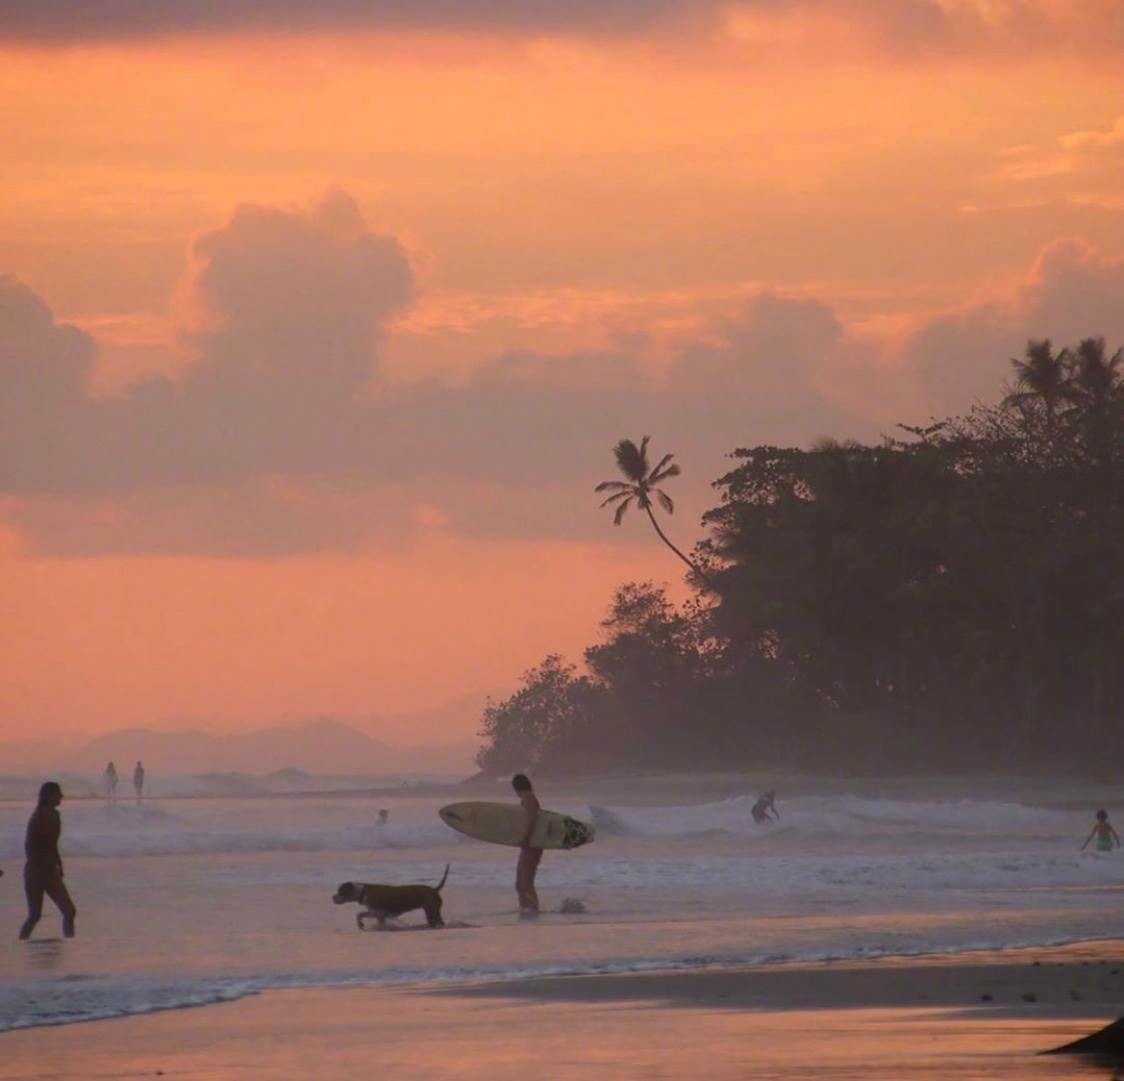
(298, 825)
(838, 815)
(198, 826)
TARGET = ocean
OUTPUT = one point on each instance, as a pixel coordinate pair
(185, 901)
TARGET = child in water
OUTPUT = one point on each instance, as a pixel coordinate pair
(1107, 837)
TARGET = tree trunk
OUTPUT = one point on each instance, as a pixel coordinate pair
(702, 574)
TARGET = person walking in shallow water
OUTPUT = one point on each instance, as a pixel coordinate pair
(42, 874)
(138, 781)
(529, 857)
(109, 779)
(1107, 837)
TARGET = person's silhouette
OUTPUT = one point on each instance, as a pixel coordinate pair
(42, 874)
(109, 777)
(529, 856)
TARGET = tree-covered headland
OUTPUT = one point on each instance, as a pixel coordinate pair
(951, 599)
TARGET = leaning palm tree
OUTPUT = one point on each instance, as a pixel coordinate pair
(639, 488)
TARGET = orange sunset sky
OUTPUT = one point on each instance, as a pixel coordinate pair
(318, 321)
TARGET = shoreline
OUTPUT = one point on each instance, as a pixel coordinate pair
(874, 1014)
(1065, 978)
(1059, 976)
(1094, 968)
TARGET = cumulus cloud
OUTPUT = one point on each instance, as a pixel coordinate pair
(294, 305)
(1071, 292)
(283, 437)
(44, 404)
(297, 297)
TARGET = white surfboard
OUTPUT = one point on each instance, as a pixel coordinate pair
(506, 823)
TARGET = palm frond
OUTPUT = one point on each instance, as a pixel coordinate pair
(620, 511)
(612, 486)
(617, 497)
(665, 501)
(670, 471)
(631, 459)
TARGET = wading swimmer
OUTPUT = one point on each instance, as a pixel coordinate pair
(42, 874)
(109, 779)
(528, 857)
(765, 807)
(1107, 837)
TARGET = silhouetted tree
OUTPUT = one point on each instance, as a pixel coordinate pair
(545, 723)
(1043, 377)
(951, 598)
(639, 488)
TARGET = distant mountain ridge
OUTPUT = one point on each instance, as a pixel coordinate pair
(323, 745)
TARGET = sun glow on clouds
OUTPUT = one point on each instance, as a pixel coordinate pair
(720, 223)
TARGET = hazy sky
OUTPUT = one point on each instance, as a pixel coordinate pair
(318, 322)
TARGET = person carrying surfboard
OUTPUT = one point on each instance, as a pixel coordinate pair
(529, 857)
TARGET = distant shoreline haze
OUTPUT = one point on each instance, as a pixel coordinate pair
(315, 746)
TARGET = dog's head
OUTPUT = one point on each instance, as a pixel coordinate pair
(348, 891)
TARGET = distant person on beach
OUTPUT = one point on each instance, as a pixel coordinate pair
(109, 777)
(1107, 837)
(138, 780)
(764, 807)
(529, 857)
(384, 815)
(42, 874)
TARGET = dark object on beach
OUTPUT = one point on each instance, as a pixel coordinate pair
(1030, 996)
(1107, 1042)
(382, 903)
(985, 998)
(571, 906)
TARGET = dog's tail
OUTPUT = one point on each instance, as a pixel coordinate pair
(443, 877)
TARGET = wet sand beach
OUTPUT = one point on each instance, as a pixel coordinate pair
(920, 1017)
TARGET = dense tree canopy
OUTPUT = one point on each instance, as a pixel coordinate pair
(950, 599)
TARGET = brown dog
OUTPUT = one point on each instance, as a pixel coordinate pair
(384, 902)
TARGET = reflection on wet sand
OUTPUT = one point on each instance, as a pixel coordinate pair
(309, 1035)
(44, 954)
